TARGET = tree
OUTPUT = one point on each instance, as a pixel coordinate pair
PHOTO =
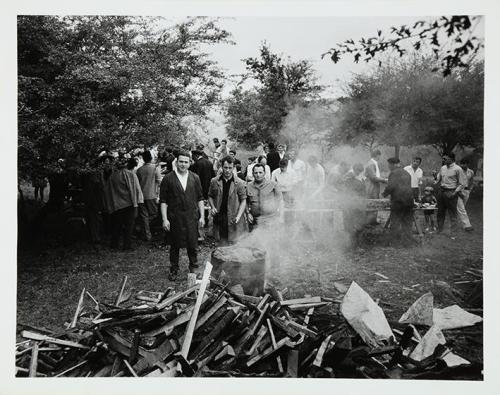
(257, 114)
(404, 103)
(90, 83)
(457, 32)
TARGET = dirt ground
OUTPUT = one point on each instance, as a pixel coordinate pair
(50, 279)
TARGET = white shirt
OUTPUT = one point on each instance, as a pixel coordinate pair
(377, 170)
(182, 178)
(416, 175)
(315, 178)
(299, 167)
(285, 180)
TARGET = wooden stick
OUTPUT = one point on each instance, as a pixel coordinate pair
(273, 340)
(174, 298)
(93, 299)
(188, 337)
(322, 349)
(314, 299)
(292, 365)
(72, 368)
(269, 351)
(122, 288)
(78, 308)
(39, 337)
(260, 336)
(130, 368)
(211, 312)
(34, 360)
(305, 306)
(302, 329)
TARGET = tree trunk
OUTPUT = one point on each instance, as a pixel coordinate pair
(397, 148)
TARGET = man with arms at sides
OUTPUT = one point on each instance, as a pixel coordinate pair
(463, 197)
(227, 198)
(182, 208)
(285, 178)
(149, 177)
(399, 188)
(416, 175)
(452, 181)
(273, 158)
(373, 181)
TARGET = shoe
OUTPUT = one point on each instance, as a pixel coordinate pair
(172, 276)
(469, 229)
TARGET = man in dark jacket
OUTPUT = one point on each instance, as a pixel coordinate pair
(205, 170)
(399, 188)
(273, 158)
(181, 205)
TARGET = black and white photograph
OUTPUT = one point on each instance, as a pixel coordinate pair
(250, 196)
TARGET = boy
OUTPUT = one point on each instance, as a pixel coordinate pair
(428, 199)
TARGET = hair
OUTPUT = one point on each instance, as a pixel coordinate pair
(375, 153)
(393, 161)
(464, 162)
(226, 159)
(232, 151)
(146, 156)
(182, 153)
(196, 154)
(283, 162)
(224, 141)
(131, 163)
(450, 155)
(281, 144)
(271, 146)
(418, 158)
(238, 167)
(259, 165)
(215, 140)
(251, 158)
(358, 167)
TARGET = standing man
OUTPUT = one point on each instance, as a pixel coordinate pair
(373, 181)
(299, 168)
(149, 178)
(452, 181)
(205, 171)
(181, 205)
(232, 154)
(264, 200)
(274, 157)
(353, 212)
(399, 188)
(123, 195)
(416, 175)
(315, 178)
(285, 178)
(227, 198)
(463, 196)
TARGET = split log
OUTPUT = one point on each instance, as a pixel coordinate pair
(314, 299)
(174, 298)
(78, 308)
(48, 339)
(120, 292)
(282, 343)
(34, 360)
(273, 340)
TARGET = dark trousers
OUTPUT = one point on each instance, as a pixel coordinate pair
(94, 224)
(401, 221)
(447, 203)
(147, 212)
(416, 194)
(122, 226)
(174, 257)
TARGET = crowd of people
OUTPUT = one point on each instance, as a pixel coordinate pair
(186, 189)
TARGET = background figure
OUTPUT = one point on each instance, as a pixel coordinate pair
(123, 196)
(149, 177)
(267, 170)
(416, 174)
(399, 188)
(373, 181)
(39, 183)
(428, 198)
(463, 196)
(315, 178)
(354, 212)
(205, 171)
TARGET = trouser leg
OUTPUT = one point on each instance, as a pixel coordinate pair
(174, 258)
(193, 257)
(129, 215)
(441, 214)
(144, 220)
(451, 201)
(116, 224)
(462, 213)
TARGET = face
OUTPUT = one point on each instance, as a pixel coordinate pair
(281, 148)
(464, 166)
(447, 160)
(223, 143)
(183, 163)
(292, 154)
(232, 154)
(258, 174)
(415, 163)
(227, 169)
(392, 166)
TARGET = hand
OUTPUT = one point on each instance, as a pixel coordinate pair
(235, 220)
(213, 211)
(166, 225)
(250, 218)
(201, 221)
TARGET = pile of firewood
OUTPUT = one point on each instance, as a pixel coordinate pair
(211, 330)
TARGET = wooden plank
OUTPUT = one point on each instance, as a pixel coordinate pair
(302, 329)
(188, 337)
(127, 364)
(273, 340)
(318, 361)
(174, 298)
(71, 368)
(122, 288)
(283, 342)
(291, 332)
(314, 299)
(292, 364)
(306, 306)
(260, 335)
(78, 308)
(34, 360)
(211, 312)
(48, 339)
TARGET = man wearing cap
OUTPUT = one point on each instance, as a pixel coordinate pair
(182, 208)
(399, 189)
(452, 181)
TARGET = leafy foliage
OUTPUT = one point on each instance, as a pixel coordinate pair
(404, 103)
(257, 114)
(89, 83)
(456, 31)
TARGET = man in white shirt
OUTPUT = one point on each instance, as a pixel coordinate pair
(416, 175)
(315, 178)
(285, 178)
(463, 196)
(299, 168)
